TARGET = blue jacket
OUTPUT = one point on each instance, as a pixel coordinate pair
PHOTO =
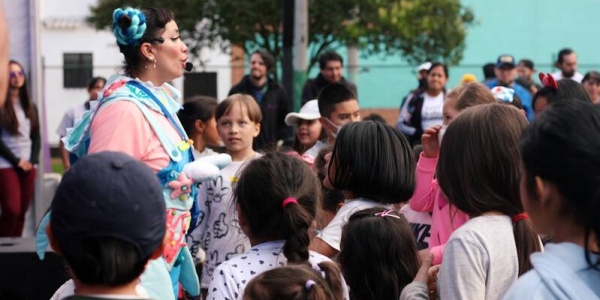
(521, 92)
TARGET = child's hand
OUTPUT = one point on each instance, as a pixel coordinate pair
(428, 275)
(430, 141)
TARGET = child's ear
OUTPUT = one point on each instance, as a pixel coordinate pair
(52, 240)
(199, 126)
(241, 219)
(256, 129)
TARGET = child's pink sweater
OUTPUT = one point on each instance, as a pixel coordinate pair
(428, 197)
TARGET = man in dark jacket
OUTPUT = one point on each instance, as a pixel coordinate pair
(331, 65)
(271, 98)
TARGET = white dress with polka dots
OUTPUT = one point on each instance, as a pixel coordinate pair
(232, 276)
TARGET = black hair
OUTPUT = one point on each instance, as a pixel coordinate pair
(591, 75)
(527, 63)
(196, 108)
(561, 146)
(333, 94)
(331, 198)
(156, 20)
(374, 161)
(375, 118)
(562, 53)
(263, 186)
(328, 56)
(94, 81)
(567, 90)
(267, 58)
(106, 261)
(8, 117)
(439, 64)
(488, 71)
(488, 180)
(378, 254)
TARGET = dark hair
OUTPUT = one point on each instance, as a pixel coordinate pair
(267, 58)
(290, 283)
(328, 56)
(591, 75)
(8, 117)
(567, 90)
(439, 64)
(94, 81)
(527, 63)
(156, 20)
(561, 146)
(373, 161)
(263, 186)
(331, 198)
(246, 102)
(516, 102)
(106, 261)
(562, 53)
(375, 118)
(488, 71)
(196, 108)
(489, 180)
(378, 254)
(331, 95)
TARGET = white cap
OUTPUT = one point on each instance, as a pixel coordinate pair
(309, 111)
(424, 67)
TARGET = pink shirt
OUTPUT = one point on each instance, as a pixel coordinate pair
(428, 197)
(121, 126)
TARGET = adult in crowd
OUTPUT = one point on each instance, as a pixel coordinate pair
(526, 70)
(19, 152)
(505, 76)
(3, 55)
(488, 72)
(269, 95)
(422, 109)
(567, 63)
(591, 84)
(75, 113)
(331, 65)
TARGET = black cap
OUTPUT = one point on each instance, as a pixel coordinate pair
(505, 60)
(109, 194)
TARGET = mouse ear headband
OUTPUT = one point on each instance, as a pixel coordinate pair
(548, 80)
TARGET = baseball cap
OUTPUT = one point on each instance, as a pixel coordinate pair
(309, 111)
(109, 194)
(505, 60)
(424, 67)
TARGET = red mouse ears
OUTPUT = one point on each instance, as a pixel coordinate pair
(548, 80)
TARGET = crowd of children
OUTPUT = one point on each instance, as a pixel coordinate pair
(342, 214)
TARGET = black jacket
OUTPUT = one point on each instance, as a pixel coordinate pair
(313, 87)
(35, 145)
(274, 107)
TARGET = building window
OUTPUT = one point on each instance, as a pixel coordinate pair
(77, 69)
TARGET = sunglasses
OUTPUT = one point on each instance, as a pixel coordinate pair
(15, 74)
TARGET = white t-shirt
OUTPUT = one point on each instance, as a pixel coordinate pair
(20, 143)
(218, 232)
(232, 276)
(431, 113)
(421, 225)
(577, 77)
(70, 118)
(480, 260)
(332, 234)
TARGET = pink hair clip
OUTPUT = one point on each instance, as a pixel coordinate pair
(387, 213)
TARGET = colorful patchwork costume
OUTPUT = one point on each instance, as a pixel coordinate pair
(140, 119)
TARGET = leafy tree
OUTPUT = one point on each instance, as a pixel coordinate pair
(418, 30)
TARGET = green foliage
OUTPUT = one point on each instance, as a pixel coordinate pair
(418, 30)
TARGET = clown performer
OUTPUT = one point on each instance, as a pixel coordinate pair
(136, 114)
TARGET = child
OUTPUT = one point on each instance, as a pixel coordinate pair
(218, 233)
(481, 178)
(559, 190)
(338, 106)
(198, 119)
(507, 96)
(553, 91)
(108, 217)
(371, 164)
(298, 282)
(332, 200)
(309, 130)
(378, 254)
(277, 198)
(428, 197)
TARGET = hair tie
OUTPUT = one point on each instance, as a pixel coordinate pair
(548, 80)
(387, 213)
(288, 201)
(309, 284)
(133, 34)
(518, 217)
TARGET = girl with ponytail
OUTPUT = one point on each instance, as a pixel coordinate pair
(276, 199)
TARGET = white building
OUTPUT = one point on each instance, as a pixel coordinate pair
(73, 52)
